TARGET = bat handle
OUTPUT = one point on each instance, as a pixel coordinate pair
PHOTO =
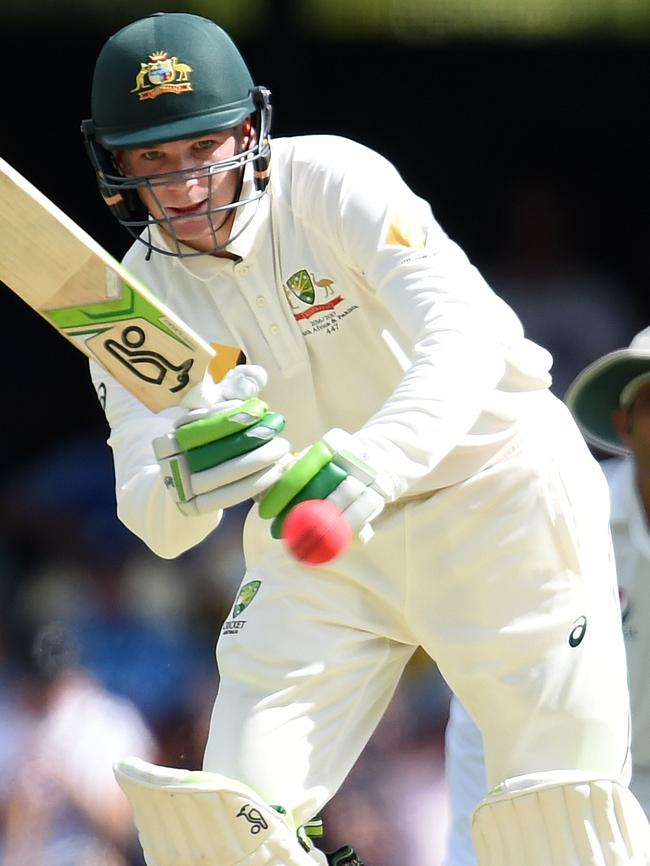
(239, 383)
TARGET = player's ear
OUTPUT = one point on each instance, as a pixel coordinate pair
(248, 133)
(622, 419)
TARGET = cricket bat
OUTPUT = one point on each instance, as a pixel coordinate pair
(90, 298)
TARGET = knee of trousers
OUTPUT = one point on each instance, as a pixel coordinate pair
(560, 819)
(192, 818)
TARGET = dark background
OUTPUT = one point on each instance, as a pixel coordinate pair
(534, 157)
(465, 122)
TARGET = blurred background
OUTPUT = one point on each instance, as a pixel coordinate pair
(523, 124)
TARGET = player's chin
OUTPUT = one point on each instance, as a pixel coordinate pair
(196, 228)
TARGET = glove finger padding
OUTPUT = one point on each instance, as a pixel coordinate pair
(202, 426)
(229, 447)
(239, 489)
(335, 469)
(220, 456)
(359, 504)
(244, 466)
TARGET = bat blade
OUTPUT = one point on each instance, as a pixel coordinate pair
(106, 312)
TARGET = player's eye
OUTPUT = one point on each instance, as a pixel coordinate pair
(151, 155)
(206, 144)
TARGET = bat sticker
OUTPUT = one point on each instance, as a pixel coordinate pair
(146, 364)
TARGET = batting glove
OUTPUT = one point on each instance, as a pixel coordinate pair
(226, 453)
(335, 468)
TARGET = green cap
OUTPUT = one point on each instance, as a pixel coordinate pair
(605, 385)
(165, 77)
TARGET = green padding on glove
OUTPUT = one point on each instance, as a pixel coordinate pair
(320, 487)
(194, 434)
(240, 443)
(294, 479)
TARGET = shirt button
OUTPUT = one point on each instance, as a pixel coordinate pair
(275, 329)
(260, 300)
(243, 270)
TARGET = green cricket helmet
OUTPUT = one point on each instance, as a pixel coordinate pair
(165, 77)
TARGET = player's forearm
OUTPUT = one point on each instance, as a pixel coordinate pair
(145, 507)
(143, 504)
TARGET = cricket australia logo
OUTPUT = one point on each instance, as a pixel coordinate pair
(246, 594)
(314, 302)
(162, 74)
(302, 286)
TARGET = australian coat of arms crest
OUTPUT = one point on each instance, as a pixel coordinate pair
(162, 74)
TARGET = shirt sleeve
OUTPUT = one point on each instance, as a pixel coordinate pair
(143, 503)
(461, 334)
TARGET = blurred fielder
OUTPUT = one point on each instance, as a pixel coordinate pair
(412, 401)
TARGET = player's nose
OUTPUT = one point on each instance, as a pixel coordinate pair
(180, 178)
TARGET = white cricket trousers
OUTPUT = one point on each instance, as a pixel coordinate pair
(506, 580)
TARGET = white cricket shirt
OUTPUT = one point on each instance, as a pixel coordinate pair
(365, 314)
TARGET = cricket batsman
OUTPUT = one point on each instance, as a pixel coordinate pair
(409, 397)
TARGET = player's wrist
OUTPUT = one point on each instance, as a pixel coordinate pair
(361, 461)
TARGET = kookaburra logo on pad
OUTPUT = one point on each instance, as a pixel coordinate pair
(254, 818)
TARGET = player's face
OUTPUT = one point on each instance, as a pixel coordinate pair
(187, 198)
(634, 429)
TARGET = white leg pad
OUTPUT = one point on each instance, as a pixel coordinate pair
(545, 821)
(192, 818)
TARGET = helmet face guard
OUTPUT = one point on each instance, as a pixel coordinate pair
(122, 194)
(169, 77)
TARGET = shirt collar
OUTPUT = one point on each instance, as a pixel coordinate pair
(249, 218)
